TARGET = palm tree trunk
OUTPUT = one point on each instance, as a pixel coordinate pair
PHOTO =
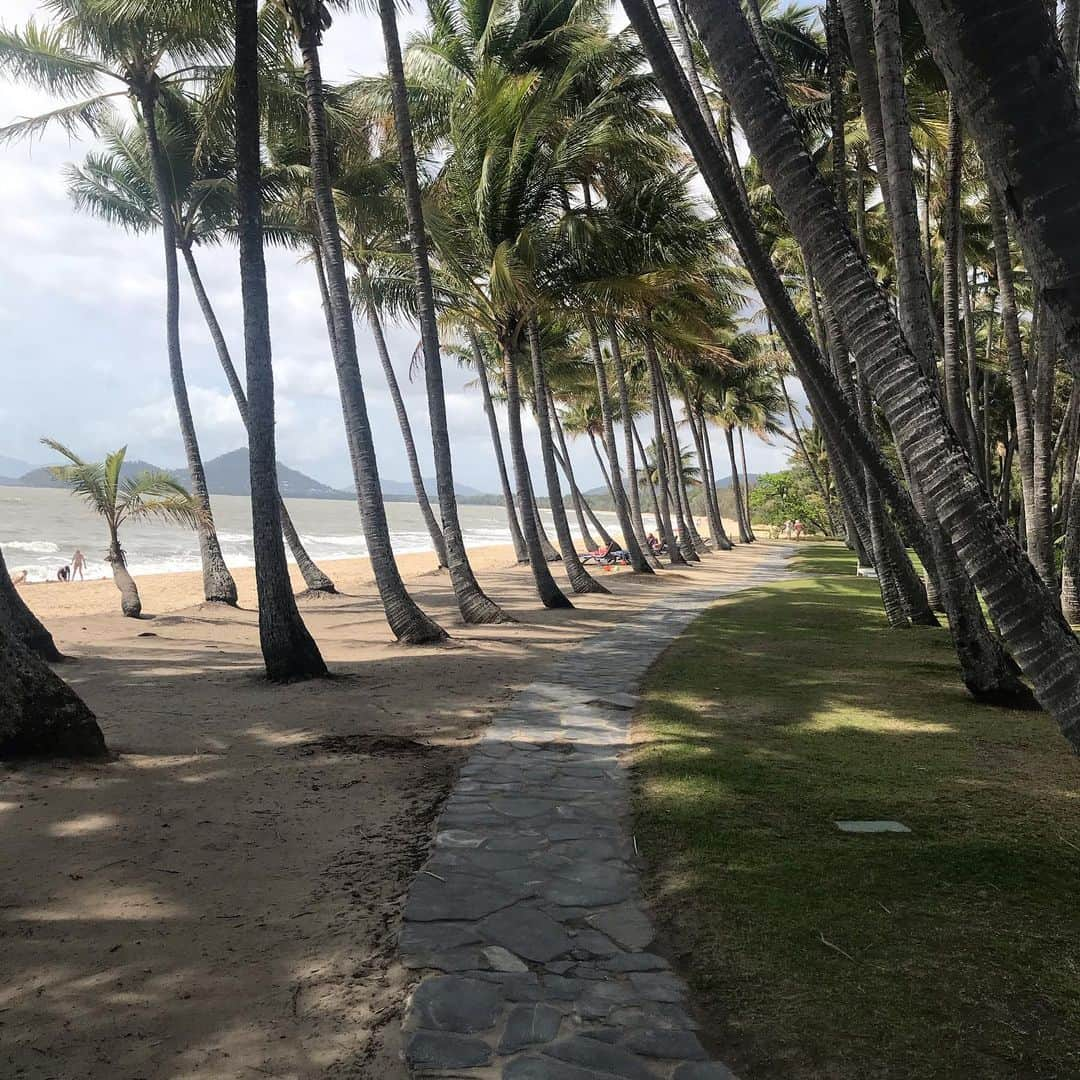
(628, 440)
(712, 507)
(647, 473)
(603, 467)
(736, 486)
(916, 312)
(130, 602)
(475, 606)
(218, 584)
(887, 580)
(978, 418)
(551, 555)
(316, 581)
(1041, 523)
(1025, 613)
(289, 652)
(562, 453)
(746, 484)
(955, 401)
(671, 542)
(638, 561)
(516, 537)
(437, 539)
(1023, 406)
(688, 533)
(580, 579)
(551, 596)
(40, 715)
(860, 46)
(576, 500)
(1070, 561)
(1027, 129)
(17, 620)
(725, 543)
(407, 622)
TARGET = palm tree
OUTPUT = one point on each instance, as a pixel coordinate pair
(149, 495)
(1024, 611)
(580, 579)
(475, 606)
(980, 50)
(40, 715)
(147, 54)
(308, 19)
(117, 185)
(850, 447)
(289, 652)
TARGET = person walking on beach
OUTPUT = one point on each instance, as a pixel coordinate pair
(78, 564)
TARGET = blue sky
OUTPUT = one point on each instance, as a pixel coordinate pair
(81, 322)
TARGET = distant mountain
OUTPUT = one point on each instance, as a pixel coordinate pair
(398, 490)
(12, 467)
(43, 478)
(228, 475)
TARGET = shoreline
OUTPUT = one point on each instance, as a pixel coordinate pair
(176, 590)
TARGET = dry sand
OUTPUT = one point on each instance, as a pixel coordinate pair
(222, 899)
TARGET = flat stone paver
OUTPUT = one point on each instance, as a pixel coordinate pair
(527, 919)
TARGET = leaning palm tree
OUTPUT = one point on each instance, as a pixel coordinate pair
(1025, 612)
(149, 495)
(117, 185)
(96, 52)
(475, 606)
(308, 19)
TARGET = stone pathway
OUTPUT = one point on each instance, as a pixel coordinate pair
(527, 919)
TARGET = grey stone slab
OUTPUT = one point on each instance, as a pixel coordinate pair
(653, 1014)
(458, 838)
(669, 1043)
(538, 1068)
(453, 1003)
(526, 932)
(528, 1025)
(516, 986)
(431, 900)
(437, 1050)
(871, 826)
(590, 886)
(437, 935)
(592, 943)
(628, 924)
(658, 985)
(702, 1070)
(563, 987)
(601, 999)
(600, 1058)
(467, 958)
(504, 840)
(501, 959)
(636, 961)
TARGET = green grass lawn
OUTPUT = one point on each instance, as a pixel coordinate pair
(953, 951)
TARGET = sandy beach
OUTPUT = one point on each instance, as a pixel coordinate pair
(222, 899)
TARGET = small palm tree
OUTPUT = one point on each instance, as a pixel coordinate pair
(149, 495)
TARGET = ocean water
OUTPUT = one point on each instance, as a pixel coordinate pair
(40, 529)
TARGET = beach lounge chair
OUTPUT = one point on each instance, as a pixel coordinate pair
(609, 555)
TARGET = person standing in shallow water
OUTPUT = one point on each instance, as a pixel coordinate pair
(78, 564)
